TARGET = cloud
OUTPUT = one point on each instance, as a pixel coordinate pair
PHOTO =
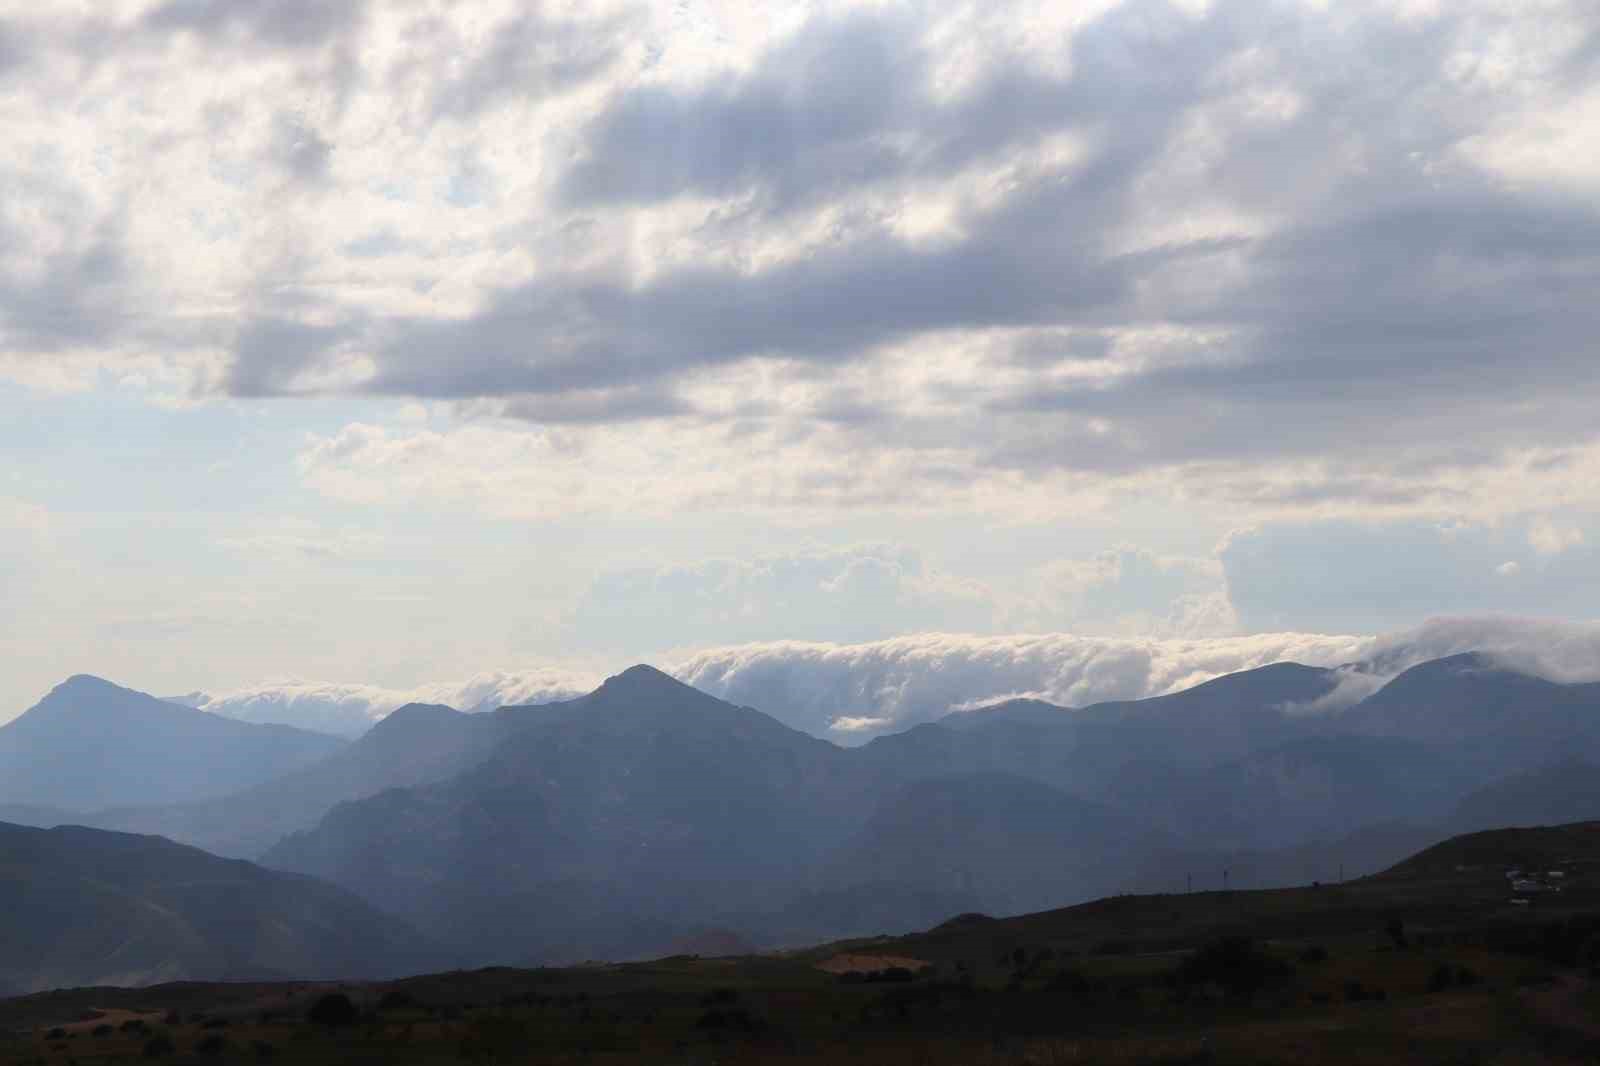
(1552, 538)
(853, 691)
(1246, 251)
(351, 709)
(853, 594)
(850, 693)
(1561, 650)
(1375, 576)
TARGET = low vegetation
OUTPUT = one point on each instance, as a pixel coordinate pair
(1430, 963)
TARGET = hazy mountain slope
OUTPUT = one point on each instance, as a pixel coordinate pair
(91, 744)
(1551, 795)
(1313, 788)
(1492, 720)
(82, 906)
(1008, 843)
(627, 816)
(27, 814)
(416, 744)
(1221, 719)
(1357, 854)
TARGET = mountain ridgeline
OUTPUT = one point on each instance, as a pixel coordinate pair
(647, 813)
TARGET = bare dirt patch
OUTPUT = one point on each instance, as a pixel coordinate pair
(870, 964)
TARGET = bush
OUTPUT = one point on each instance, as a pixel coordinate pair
(215, 1044)
(1235, 963)
(398, 999)
(159, 1046)
(333, 1009)
(1314, 955)
(733, 1018)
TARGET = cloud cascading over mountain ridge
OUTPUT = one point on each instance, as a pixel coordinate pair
(851, 692)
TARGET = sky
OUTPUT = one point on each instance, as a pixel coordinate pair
(478, 348)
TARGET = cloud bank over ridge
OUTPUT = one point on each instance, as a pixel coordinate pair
(852, 692)
(351, 709)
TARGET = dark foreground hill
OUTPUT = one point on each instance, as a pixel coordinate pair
(82, 906)
(1426, 963)
(90, 744)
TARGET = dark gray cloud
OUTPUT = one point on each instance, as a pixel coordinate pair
(1443, 289)
(528, 54)
(1298, 203)
(269, 23)
(846, 102)
(1414, 321)
(272, 349)
(1036, 259)
(75, 299)
(13, 49)
(626, 404)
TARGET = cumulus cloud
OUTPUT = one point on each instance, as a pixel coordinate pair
(351, 709)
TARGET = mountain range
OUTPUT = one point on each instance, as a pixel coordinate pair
(648, 813)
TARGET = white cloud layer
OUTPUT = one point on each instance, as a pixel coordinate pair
(351, 709)
(853, 691)
(850, 693)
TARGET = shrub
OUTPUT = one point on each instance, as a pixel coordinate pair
(1314, 955)
(215, 1044)
(1236, 964)
(333, 1009)
(159, 1046)
(398, 999)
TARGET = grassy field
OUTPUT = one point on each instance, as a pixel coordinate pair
(1430, 964)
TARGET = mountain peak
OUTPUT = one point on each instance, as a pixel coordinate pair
(414, 716)
(642, 678)
(84, 683)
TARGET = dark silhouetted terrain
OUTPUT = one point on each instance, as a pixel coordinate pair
(83, 906)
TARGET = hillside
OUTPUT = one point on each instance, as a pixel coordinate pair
(626, 819)
(1563, 792)
(416, 744)
(90, 744)
(1015, 844)
(83, 906)
(1491, 720)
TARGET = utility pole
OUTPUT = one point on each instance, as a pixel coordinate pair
(1224, 879)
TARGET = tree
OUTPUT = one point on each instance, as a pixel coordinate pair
(332, 1009)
